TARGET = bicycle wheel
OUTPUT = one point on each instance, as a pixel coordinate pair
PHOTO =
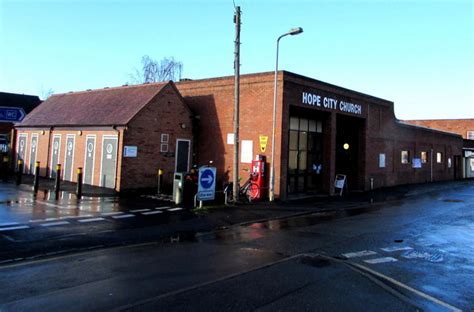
(253, 191)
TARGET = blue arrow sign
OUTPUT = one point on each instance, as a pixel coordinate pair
(11, 114)
(207, 183)
(207, 177)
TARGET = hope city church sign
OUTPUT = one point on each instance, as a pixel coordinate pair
(330, 103)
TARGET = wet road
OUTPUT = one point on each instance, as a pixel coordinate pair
(401, 256)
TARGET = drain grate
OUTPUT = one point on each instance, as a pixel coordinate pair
(453, 201)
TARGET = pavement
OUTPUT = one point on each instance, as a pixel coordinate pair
(171, 226)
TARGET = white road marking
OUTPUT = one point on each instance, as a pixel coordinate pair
(91, 220)
(381, 260)
(175, 209)
(9, 223)
(113, 213)
(51, 219)
(152, 212)
(160, 208)
(11, 228)
(123, 216)
(400, 284)
(139, 210)
(76, 217)
(357, 254)
(396, 248)
(55, 223)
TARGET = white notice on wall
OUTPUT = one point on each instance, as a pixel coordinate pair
(230, 138)
(246, 154)
(381, 160)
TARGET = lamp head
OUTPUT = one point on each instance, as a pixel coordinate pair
(295, 31)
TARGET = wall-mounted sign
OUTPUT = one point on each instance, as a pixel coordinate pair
(330, 103)
(130, 151)
(263, 143)
(416, 163)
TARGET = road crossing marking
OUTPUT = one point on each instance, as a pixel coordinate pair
(11, 228)
(9, 223)
(113, 213)
(396, 248)
(152, 212)
(91, 220)
(175, 209)
(55, 223)
(139, 210)
(123, 216)
(381, 260)
(357, 254)
(162, 208)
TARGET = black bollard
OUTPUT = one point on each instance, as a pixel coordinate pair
(5, 168)
(79, 183)
(19, 173)
(36, 180)
(57, 181)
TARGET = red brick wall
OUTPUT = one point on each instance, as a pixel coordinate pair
(379, 131)
(213, 101)
(45, 138)
(459, 126)
(163, 115)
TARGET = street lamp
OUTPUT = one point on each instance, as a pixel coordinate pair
(292, 32)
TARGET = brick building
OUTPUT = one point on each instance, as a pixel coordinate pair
(464, 127)
(119, 136)
(322, 130)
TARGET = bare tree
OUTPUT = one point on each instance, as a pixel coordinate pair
(154, 71)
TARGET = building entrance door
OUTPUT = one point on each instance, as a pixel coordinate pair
(182, 155)
(350, 134)
(305, 158)
(109, 161)
(55, 154)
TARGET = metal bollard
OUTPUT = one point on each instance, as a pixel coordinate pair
(160, 173)
(36, 180)
(19, 173)
(57, 182)
(5, 168)
(79, 183)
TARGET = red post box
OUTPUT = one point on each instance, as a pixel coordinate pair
(258, 168)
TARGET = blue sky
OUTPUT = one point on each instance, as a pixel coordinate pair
(417, 53)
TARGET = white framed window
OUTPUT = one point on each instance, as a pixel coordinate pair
(424, 157)
(439, 157)
(470, 135)
(165, 138)
(164, 148)
(382, 160)
(405, 157)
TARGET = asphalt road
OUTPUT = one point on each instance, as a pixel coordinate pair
(408, 255)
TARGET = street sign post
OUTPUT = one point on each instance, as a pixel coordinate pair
(206, 183)
(11, 114)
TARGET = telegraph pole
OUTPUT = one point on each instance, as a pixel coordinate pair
(235, 175)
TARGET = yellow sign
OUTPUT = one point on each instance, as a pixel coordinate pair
(263, 143)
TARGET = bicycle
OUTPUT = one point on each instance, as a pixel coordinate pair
(250, 190)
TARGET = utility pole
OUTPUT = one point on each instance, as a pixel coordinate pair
(235, 175)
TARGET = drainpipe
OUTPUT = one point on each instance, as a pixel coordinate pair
(431, 166)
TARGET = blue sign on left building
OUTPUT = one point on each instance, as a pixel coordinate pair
(11, 114)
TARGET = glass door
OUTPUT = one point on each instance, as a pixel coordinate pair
(305, 158)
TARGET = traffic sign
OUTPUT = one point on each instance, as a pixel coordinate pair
(206, 183)
(11, 114)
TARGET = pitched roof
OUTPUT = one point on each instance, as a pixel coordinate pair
(27, 102)
(101, 107)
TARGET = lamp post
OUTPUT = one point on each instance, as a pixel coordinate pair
(292, 32)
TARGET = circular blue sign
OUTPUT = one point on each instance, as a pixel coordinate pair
(207, 178)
